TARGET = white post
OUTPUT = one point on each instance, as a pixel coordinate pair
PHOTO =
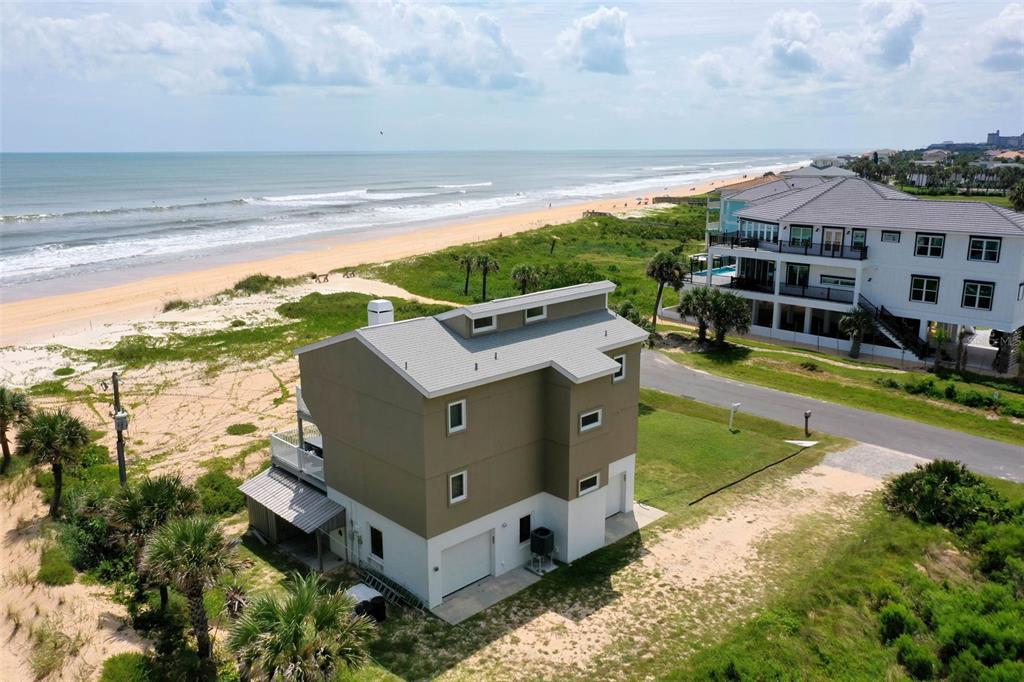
(807, 319)
(776, 315)
(732, 414)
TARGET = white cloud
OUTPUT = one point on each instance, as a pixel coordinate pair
(790, 37)
(890, 29)
(719, 69)
(597, 42)
(1003, 40)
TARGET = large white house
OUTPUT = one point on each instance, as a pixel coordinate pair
(806, 252)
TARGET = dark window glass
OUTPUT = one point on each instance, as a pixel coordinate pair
(929, 245)
(483, 323)
(376, 543)
(924, 289)
(985, 249)
(525, 528)
(588, 483)
(978, 295)
(891, 237)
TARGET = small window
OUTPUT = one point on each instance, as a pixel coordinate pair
(525, 526)
(836, 281)
(858, 237)
(800, 235)
(376, 543)
(929, 245)
(456, 416)
(537, 313)
(620, 373)
(590, 420)
(589, 484)
(978, 295)
(483, 324)
(889, 237)
(924, 289)
(985, 249)
(1020, 291)
(457, 489)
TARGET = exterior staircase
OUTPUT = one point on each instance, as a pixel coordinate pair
(895, 329)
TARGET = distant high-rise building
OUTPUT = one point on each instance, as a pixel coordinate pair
(1010, 141)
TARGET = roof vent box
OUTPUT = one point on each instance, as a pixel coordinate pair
(380, 311)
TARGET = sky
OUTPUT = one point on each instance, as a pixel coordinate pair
(296, 75)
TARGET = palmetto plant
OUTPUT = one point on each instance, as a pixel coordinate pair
(15, 410)
(728, 312)
(664, 268)
(306, 634)
(486, 264)
(190, 554)
(696, 303)
(856, 324)
(55, 438)
(525, 277)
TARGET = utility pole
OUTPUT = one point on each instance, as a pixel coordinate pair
(120, 424)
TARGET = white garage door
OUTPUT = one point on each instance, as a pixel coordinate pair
(613, 495)
(465, 563)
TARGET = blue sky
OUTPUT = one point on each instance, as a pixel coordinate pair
(326, 75)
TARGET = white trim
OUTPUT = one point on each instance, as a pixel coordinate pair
(448, 417)
(536, 318)
(480, 330)
(621, 373)
(514, 303)
(465, 487)
(597, 484)
(590, 427)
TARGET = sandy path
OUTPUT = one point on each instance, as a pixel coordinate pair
(689, 582)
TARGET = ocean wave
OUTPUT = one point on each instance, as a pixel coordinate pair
(467, 185)
(124, 210)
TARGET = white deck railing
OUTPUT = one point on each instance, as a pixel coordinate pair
(286, 454)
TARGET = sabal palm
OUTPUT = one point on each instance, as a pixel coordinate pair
(696, 303)
(55, 438)
(486, 264)
(728, 312)
(15, 410)
(855, 325)
(664, 268)
(191, 554)
(525, 276)
(305, 634)
(466, 261)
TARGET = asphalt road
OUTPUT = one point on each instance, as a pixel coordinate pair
(980, 454)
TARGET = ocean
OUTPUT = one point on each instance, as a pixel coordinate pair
(72, 217)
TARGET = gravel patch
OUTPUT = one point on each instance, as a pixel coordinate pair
(872, 460)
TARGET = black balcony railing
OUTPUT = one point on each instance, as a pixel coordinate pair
(747, 284)
(904, 334)
(806, 248)
(819, 293)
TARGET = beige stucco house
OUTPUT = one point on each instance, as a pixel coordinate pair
(429, 449)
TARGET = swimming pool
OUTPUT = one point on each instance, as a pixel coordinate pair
(724, 270)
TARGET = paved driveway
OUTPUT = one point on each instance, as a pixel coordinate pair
(981, 454)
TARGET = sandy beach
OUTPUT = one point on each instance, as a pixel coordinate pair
(47, 319)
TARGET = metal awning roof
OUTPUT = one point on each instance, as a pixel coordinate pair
(298, 503)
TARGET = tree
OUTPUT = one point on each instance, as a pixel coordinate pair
(15, 410)
(55, 438)
(1016, 195)
(728, 312)
(941, 336)
(525, 276)
(191, 554)
(664, 268)
(486, 264)
(305, 634)
(961, 349)
(467, 261)
(630, 312)
(856, 324)
(145, 506)
(696, 303)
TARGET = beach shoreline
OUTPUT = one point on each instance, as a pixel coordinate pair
(45, 318)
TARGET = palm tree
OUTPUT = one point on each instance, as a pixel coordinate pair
(856, 324)
(526, 276)
(961, 349)
(466, 261)
(55, 438)
(15, 410)
(305, 634)
(486, 264)
(145, 506)
(696, 303)
(728, 312)
(191, 554)
(664, 268)
(941, 336)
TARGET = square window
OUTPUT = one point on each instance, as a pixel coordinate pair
(537, 313)
(978, 295)
(924, 289)
(483, 324)
(590, 420)
(457, 416)
(525, 527)
(457, 489)
(589, 484)
(929, 245)
(890, 237)
(800, 235)
(376, 543)
(985, 249)
(620, 373)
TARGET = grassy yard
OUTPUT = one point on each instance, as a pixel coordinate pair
(602, 247)
(997, 200)
(856, 384)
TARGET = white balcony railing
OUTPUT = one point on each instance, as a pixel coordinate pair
(285, 453)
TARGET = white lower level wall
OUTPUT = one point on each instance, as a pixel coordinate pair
(829, 343)
(415, 562)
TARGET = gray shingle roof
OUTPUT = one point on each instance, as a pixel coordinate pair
(854, 202)
(815, 172)
(538, 298)
(773, 189)
(296, 502)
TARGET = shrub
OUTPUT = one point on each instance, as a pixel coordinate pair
(950, 391)
(896, 620)
(920, 663)
(810, 366)
(64, 371)
(259, 284)
(998, 544)
(925, 386)
(945, 493)
(127, 667)
(50, 649)
(241, 429)
(54, 567)
(990, 638)
(237, 323)
(219, 494)
(176, 304)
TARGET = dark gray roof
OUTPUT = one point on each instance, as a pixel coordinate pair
(772, 189)
(855, 202)
(816, 172)
(298, 503)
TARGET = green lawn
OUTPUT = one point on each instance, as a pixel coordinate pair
(995, 199)
(854, 384)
